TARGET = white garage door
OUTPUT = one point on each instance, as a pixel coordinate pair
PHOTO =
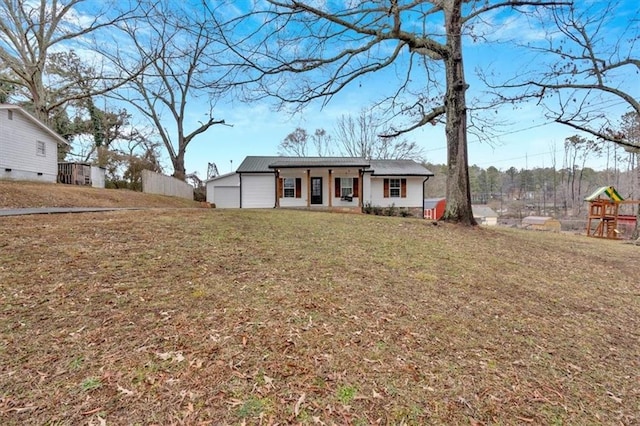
(258, 191)
(226, 197)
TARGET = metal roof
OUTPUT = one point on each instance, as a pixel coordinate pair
(253, 164)
(220, 176)
(267, 164)
(430, 203)
(291, 162)
(399, 168)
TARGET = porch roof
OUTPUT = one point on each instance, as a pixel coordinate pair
(297, 162)
(268, 164)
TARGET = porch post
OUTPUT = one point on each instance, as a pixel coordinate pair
(360, 188)
(329, 192)
(308, 188)
(277, 188)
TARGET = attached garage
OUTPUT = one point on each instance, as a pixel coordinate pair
(224, 191)
(258, 191)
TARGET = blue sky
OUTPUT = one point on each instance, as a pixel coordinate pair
(525, 138)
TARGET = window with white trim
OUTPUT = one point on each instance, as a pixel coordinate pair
(10, 114)
(41, 149)
(394, 188)
(346, 187)
(289, 188)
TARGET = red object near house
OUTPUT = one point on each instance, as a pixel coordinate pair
(434, 208)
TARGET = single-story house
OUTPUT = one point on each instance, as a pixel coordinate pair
(328, 183)
(484, 215)
(434, 208)
(28, 147)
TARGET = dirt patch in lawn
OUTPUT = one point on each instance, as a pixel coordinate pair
(264, 317)
(24, 194)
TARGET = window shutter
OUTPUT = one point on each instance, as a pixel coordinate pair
(403, 188)
(356, 189)
(386, 188)
(338, 191)
(280, 187)
(298, 188)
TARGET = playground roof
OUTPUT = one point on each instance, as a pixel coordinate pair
(609, 191)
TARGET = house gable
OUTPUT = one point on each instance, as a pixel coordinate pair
(28, 148)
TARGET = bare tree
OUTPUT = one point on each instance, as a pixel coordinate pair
(295, 143)
(322, 142)
(630, 129)
(302, 144)
(31, 31)
(179, 49)
(592, 63)
(360, 136)
(329, 47)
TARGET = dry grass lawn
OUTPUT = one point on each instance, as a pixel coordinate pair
(205, 316)
(23, 194)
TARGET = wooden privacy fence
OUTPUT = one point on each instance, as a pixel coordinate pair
(155, 183)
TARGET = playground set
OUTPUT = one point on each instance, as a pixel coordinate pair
(604, 217)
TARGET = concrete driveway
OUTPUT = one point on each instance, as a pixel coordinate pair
(56, 210)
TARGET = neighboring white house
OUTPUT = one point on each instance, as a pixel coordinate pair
(28, 148)
(333, 183)
(484, 215)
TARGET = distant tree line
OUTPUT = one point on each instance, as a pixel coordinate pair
(558, 190)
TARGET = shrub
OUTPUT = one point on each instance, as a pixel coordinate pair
(391, 210)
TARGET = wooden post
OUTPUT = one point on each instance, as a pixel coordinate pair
(329, 192)
(308, 188)
(360, 188)
(278, 195)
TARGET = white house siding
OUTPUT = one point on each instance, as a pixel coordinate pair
(18, 149)
(224, 191)
(258, 190)
(297, 174)
(413, 198)
(490, 221)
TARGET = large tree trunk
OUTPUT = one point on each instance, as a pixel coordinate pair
(636, 232)
(458, 192)
(38, 97)
(179, 171)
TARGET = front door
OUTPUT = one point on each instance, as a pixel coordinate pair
(316, 190)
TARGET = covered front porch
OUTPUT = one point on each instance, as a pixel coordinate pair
(319, 183)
